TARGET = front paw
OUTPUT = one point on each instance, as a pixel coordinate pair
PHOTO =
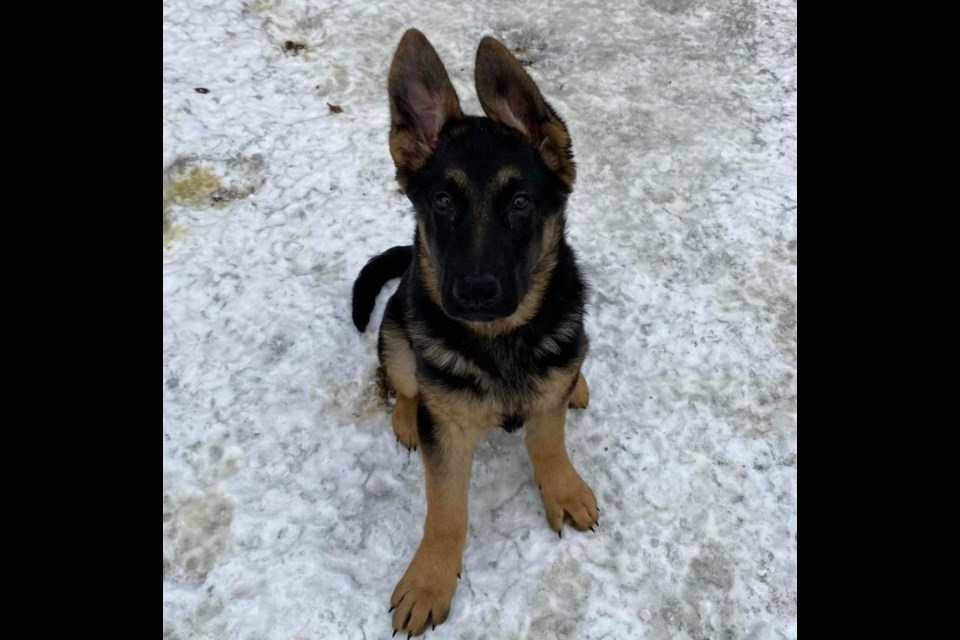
(423, 595)
(566, 497)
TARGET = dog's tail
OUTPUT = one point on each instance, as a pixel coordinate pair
(386, 266)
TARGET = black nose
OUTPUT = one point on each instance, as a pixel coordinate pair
(478, 292)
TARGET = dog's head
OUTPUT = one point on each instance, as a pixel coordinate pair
(489, 192)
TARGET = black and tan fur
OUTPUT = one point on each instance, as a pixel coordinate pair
(486, 327)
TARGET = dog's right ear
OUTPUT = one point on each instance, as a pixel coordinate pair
(422, 100)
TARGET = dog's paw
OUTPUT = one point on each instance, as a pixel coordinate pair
(567, 498)
(580, 397)
(423, 595)
(404, 420)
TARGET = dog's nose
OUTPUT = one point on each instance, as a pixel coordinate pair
(479, 292)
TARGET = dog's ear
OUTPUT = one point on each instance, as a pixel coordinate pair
(509, 96)
(422, 100)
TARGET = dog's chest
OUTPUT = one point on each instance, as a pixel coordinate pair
(512, 363)
(514, 376)
(520, 376)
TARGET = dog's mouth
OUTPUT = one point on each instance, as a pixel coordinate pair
(476, 313)
(477, 316)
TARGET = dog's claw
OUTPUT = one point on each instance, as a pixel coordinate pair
(591, 528)
(433, 628)
(390, 610)
(394, 633)
(560, 534)
(458, 576)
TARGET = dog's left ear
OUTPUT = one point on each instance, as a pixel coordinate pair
(509, 96)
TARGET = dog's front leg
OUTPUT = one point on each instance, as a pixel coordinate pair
(564, 493)
(424, 592)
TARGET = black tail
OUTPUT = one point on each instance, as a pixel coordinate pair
(386, 266)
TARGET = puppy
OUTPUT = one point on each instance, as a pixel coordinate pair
(486, 327)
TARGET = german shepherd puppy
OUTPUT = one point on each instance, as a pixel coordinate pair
(486, 327)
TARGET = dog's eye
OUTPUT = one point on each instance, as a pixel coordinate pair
(442, 202)
(521, 202)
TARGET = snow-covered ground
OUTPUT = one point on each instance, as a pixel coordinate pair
(289, 512)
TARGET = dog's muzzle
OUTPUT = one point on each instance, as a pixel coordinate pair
(477, 293)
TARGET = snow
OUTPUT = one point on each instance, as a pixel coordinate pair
(289, 510)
